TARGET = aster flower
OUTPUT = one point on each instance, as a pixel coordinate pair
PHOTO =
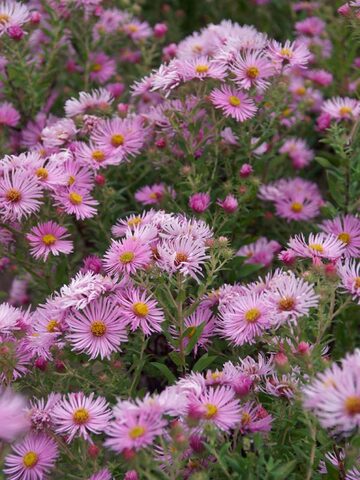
(260, 251)
(298, 206)
(133, 428)
(41, 412)
(349, 273)
(317, 246)
(49, 237)
(291, 54)
(233, 103)
(102, 67)
(94, 156)
(137, 30)
(139, 309)
(182, 254)
(97, 330)
(153, 194)
(252, 69)
(254, 418)
(103, 474)
(13, 418)
(299, 152)
(216, 406)
(19, 195)
(32, 458)
(78, 415)
(100, 99)
(339, 108)
(58, 133)
(334, 396)
(200, 68)
(347, 229)
(9, 318)
(122, 226)
(119, 137)
(9, 116)
(127, 256)
(77, 202)
(12, 14)
(247, 318)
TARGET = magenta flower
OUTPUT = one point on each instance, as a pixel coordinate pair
(78, 415)
(252, 69)
(200, 316)
(48, 238)
(229, 204)
(102, 67)
(260, 251)
(153, 194)
(77, 202)
(97, 330)
(32, 458)
(216, 406)
(99, 99)
(199, 202)
(9, 116)
(245, 319)
(349, 273)
(254, 418)
(339, 108)
(127, 256)
(233, 103)
(13, 418)
(347, 229)
(103, 474)
(291, 54)
(138, 309)
(19, 195)
(200, 68)
(12, 14)
(298, 151)
(9, 318)
(317, 246)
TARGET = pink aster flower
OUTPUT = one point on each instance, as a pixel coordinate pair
(102, 67)
(19, 195)
(89, 101)
(216, 406)
(291, 54)
(59, 133)
(254, 418)
(200, 68)
(260, 251)
(9, 318)
(199, 202)
(182, 254)
(298, 206)
(233, 103)
(229, 204)
(13, 418)
(41, 412)
(32, 458)
(12, 14)
(298, 151)
(317, 246)
(9, 116)
(77, 202)
(153, 194)
(252, 69)
(247, 318)
(94, 156)
(119, 137)
(139, 309)
(312, 26)
(127, 256)
(349, 273)
(134, 428)
(347, 229)
(78, 415)
(334, 396)
(97, 330)
(137, 30)
(339, 108)
(103, 474)
(49, 237)
(291, 298)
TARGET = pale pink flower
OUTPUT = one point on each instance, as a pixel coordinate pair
(49, 237)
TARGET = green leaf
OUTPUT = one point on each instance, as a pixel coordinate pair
(324, 162)
(282, 472)
(192, 341)
(248, 269)
(175, 357)
(203, 362)
(165, 371)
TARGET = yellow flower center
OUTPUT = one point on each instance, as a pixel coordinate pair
(201, 69)
(98, 328)
(317, 247)
(252, 315)
(210, 410)
(117, 140)
(344, 111)
(286, 304)
(286, 52)
(357, 282)
(81, 416)
(75, 198)
(30, 459)
(42, 173)
(252, 72)
(297, 207)
(71, 180)
(96, 67)
(98, 156)
(352, 405)
(136, 432)
(132, 28)
(180, 258)
(344, 237)
(134, 221)
(13, 195)
(245, 418)
(234, 101)
(52, 326)
(49, 239)
(140, 309)
(287, 112)
(197, 48)
(127, 257)
(4, 18)
(300, 91)
(191, 332)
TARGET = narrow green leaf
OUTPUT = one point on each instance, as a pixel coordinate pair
(165, 371)
(282, 472)
(204, 362)
(195, 337)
